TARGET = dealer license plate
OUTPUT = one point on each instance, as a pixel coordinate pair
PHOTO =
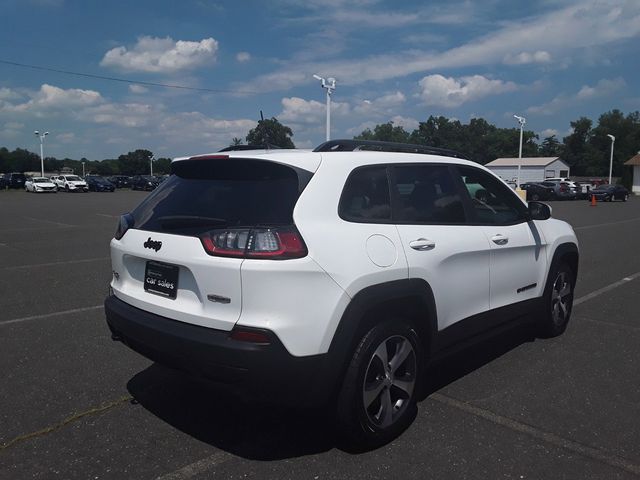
(161, 279)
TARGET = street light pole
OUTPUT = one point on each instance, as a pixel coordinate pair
(37, 133)
(330, 85)
(521, 121)
(151, 164)
(613, 140)
(82, 169)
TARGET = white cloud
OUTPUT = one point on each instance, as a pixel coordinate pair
(50, 98)
(524, 58)
(557, 34)
(299, 110)
(138, 89)
(408, 123)
(8, 94)
(437, 90)
(68, 137)
(603, 88)
(162, 55)
(382, 106)
(549, 132)
(243, 57)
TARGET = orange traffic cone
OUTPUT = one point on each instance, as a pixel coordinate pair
(593, 201)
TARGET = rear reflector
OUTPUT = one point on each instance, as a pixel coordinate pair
(250, 336)
(271, 243)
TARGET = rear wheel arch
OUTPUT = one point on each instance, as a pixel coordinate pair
(411, 300)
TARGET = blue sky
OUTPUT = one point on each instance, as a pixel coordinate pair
(551, 61)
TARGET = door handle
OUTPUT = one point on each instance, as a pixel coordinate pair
(500, 239)
(422, 244)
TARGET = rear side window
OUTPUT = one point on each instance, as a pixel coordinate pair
(210, 193)
(427, 194)
(365, 197)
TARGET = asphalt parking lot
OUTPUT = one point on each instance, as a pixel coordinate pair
(74, 404)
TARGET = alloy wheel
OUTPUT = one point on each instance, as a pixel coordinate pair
(389, 381)
(561, 299)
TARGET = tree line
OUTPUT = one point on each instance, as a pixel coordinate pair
(586, 149)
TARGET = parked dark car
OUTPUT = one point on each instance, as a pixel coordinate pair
(99, 184)
(15, 180)
(609, 193)
(536, 191)
(144, 182)
(120, 181)
(561, 190)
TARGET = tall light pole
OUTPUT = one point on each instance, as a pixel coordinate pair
(37, 133)
(521, 121)
(82, 169)
(330, 85)
(613, 140)
(151, 158)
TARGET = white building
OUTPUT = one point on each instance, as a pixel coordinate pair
(635, 163)
(532, 169)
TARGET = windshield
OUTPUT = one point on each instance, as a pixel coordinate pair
(206, 194)
(40, 180)
(73, 178)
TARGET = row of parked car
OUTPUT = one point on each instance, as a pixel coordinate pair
(567, 189)
(74, 183)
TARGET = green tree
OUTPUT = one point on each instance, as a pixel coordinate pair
(135, 163)
(576, 148)
(162, 166)
(385, 132)
(271, 132)
(236, 141)
(550, 147)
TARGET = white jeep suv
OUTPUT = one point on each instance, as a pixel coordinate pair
(333, 276)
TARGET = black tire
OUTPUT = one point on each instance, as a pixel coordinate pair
(558, 301)
(371, 417)
(625, 197)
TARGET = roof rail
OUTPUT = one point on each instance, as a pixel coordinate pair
(356, 145)
(234, 148)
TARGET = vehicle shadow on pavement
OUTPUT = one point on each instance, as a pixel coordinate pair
(457, 365)
(217, 417)
(263, 432)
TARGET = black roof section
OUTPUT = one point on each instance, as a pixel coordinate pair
(374, 145)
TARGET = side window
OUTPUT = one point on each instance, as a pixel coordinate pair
(426, 194)
(493, 202)
(365, 197)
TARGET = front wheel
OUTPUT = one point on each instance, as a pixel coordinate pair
(558, 301)
(377, 400)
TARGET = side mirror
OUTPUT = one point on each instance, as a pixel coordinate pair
(539, 211)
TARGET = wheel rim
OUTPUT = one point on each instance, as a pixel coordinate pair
(561, 298)
(389, 381)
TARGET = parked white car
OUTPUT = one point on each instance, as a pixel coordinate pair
(71, 183)
(334, 277)
(39, 184)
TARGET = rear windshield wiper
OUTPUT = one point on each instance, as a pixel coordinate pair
(185, 221)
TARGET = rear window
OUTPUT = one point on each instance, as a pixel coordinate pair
(205, 194)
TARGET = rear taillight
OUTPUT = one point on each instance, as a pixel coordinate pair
(563, 188)
(124, 223)
(271, 243)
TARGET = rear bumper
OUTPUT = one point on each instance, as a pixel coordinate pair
(257, 372)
